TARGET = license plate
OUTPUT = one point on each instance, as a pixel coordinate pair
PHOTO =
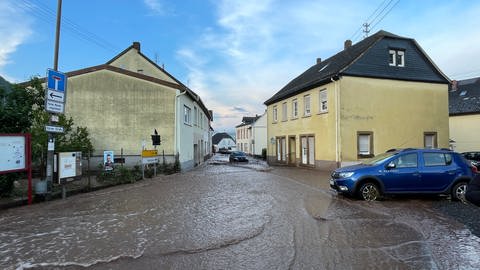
(332, 182)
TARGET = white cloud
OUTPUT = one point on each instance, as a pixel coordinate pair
(156, 6)
(256, 47)
(14, 30)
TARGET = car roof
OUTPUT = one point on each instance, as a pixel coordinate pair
(401, 150)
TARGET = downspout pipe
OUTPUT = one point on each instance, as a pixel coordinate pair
(177, 124)
(337, 122)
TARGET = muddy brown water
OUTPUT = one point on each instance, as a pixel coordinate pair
(232, 217)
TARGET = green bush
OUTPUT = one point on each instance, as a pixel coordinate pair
(6, 183)
(264, 153)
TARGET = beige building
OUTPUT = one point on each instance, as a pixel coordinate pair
(464, 107)
(244, 135)
(124, 100)
(381, 93)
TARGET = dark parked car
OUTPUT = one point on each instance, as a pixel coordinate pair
(473, 191)
(238, 156)
(473, 157)
(406, 171)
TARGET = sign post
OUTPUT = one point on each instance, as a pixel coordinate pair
(55, 96)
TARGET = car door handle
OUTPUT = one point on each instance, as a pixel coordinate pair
(416, 174)
(451, 172)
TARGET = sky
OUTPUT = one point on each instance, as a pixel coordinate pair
(234, 53)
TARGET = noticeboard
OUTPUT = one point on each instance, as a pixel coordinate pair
(13, 153)
(69, 165)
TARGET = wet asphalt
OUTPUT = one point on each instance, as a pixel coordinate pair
(240, 216)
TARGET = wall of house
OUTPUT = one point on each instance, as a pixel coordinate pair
(397, 112)
(244, 137)
(132, 61)
(259, 130)
(194, 139)
(121, 111)
(465, 130)
(319, 124)
(226, 143)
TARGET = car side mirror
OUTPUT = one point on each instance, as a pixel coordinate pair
(391, 165)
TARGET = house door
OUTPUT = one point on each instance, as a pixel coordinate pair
(292, 155)
(308, 150)
(195, 154)
(281, 149)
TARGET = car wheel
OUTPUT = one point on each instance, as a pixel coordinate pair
(458, 191)
(369, 192)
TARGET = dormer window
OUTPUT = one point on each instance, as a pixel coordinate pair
(397, 58)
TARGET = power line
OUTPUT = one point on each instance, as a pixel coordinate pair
(378, 15)
(47, 15)
(386, 14)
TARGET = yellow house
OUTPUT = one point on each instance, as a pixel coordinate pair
(383, 92)
(124, 100)
(464, 107)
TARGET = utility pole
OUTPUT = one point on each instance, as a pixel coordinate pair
(366, 31)
(53, 118)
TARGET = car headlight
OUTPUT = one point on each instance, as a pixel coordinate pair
(345, 174)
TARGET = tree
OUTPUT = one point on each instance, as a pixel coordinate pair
(22, 109)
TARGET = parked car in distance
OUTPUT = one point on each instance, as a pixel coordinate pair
(238, 156)
(406, 171)
(473, 157)
(225, 150)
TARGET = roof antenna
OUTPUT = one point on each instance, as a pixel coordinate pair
(366, 31)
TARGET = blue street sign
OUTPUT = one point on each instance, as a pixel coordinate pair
(56, 80)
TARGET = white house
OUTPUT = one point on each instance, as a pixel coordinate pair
(223, 141)
(259, 135)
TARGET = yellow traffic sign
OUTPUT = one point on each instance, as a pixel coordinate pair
(149, 153)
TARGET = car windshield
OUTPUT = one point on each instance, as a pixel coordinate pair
(379, 158)
(238, 154)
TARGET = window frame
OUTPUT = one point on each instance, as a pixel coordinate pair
(295, 109)
(435, 139)
(371, 150)
(396, 58)
(307, 105)
(275, 114)
(284, 111)
(322, 100)
(187, 115)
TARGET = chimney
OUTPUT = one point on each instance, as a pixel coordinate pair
(136, 45)
(454, 85)
(319, 60)
(347, 44)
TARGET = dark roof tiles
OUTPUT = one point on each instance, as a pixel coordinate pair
(466, 99)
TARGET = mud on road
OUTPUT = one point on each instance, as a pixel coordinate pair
(233, 217)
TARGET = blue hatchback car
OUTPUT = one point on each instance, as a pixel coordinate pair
(406, 171)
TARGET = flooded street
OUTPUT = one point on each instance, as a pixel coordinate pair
(221, 216)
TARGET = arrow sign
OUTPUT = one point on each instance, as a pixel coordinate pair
(55, 96)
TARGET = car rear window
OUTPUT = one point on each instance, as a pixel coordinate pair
(437, 159)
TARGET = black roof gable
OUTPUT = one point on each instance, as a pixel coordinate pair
(466, 98)
(219, 136)
(345, 63)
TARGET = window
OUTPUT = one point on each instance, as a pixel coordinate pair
(406, 161)
(187, 115)
(284, 111)
(430, 140)
(306, 105)
(396, 58)
(323, 101)
(365, 144)
(275, 114)
(294, 108)
(437, 159)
